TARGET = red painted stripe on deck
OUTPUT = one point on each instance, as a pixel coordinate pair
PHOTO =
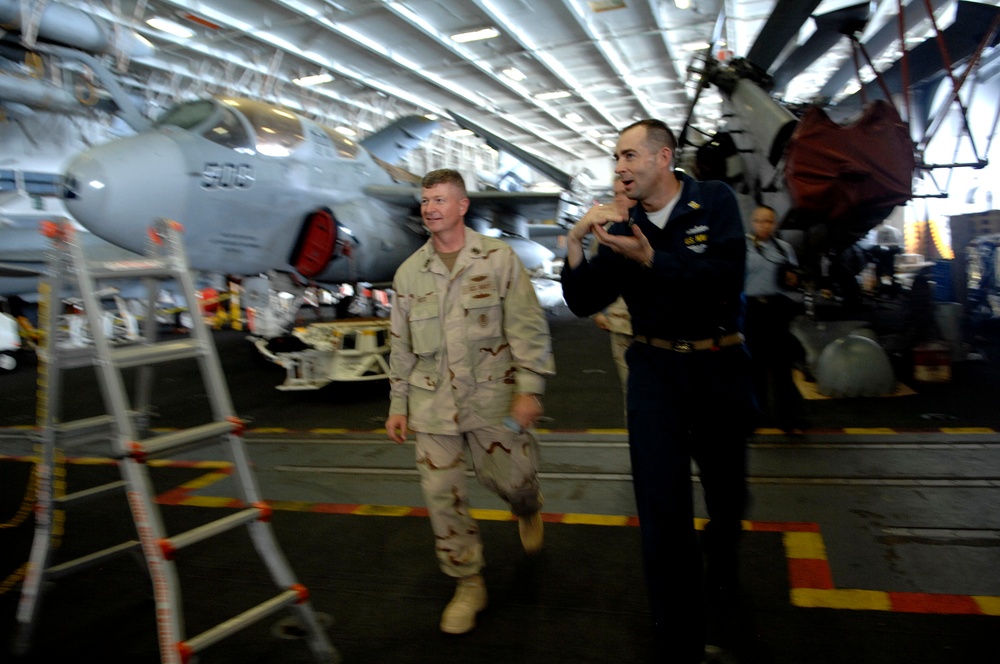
(809, 573)
(933, 603)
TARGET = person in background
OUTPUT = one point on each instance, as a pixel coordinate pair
(470, 351)
(678, 260)
(769, 312)
(615, 317)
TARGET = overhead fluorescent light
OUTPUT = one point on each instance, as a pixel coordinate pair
(607, 142)
(346, 131)
(171, 28)
(696, 46)
(514, 74)
(460, 132)
(575, 118)
(555, 94)
(315, 79)
(476, 35)
(606, 5)
(682, 4)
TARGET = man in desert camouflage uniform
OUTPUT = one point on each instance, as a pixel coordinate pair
(615, 317)
(470, 352)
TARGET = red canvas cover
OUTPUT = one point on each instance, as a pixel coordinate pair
(317, 242)
(839, 171)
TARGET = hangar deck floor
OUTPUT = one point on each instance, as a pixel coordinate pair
(874, 537)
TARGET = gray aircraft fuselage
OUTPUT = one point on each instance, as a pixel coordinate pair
(245, 179)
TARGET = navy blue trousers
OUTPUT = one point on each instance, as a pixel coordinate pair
(685, 407)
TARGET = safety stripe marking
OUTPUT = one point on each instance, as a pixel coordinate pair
(809, 575)
(763, 431)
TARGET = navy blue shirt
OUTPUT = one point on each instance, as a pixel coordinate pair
(692, 291)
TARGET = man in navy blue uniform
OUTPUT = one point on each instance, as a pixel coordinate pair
(678, 261)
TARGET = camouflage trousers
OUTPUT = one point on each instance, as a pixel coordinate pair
(504, 462)
(619, 344)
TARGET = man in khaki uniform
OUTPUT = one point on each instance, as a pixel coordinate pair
(469, 354)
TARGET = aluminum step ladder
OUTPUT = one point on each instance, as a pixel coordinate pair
(132, 445)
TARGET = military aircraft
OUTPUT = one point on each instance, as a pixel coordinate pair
(839, 166)
(258, 188)
(835, 182)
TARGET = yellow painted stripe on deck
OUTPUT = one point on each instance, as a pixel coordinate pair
(92, 461)
(272, 430)
(988, 605)
(203, 481)
(967, 430)
(207, 501)
(327, 431)
(868, 430)
(804, 545)
(595, 519)
(383, 510)
(855, 600)
(491, 515)
(169, 463)
(290, 505)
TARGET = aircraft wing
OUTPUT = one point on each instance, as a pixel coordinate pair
(401, 195)
(561, 178)
(494, 206)
(536, 207)
(511, 213)
(392, 142)
(16, 270)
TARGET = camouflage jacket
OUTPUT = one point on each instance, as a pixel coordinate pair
(464, 343)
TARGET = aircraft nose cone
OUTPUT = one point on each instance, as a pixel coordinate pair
(84, 187)
(119, 189)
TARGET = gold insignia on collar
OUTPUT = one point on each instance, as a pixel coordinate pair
(694, 205)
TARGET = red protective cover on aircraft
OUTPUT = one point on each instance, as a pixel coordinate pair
(316, 244)
(837, 171)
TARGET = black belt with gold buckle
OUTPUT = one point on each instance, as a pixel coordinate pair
(685, 346)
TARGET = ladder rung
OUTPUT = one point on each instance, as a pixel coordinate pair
(245, 619)
(92, 492)
(92, 559)
(70, 357)
(89, 429)
(176, 439)
(163, 351)
(210, 529)
(132, 269)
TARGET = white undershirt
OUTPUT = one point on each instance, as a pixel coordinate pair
(659, 218)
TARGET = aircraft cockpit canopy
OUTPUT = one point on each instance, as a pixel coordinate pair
(276, 132)
(346, 148)
(211, 120)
